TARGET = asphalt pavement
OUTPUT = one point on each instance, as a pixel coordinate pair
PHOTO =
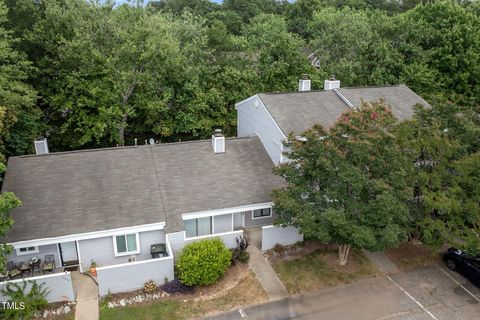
(422, 294)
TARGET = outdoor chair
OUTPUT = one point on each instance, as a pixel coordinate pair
(12, 270)
(49, 263)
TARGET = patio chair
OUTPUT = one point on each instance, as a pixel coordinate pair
(12, 270)
(49, 263)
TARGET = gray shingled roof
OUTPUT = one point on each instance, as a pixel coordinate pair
(299, 111)
(76, 192)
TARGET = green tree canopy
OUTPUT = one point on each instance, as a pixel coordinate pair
(347, 186)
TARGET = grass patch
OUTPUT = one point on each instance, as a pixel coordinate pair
(410, 256)
(248, 291)
(320, 269)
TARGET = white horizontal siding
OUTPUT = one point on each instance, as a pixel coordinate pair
(101, 250)
(256, 121)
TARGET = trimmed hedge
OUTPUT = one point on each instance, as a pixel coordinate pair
(203, 262)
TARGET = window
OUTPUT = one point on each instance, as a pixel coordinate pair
(262, 213)
(26, 250)
(198, 227)
(126, 244)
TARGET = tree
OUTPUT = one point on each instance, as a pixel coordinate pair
(347, 186)
(19, 118)
(442, 144)
(276, 53)
(203, 262)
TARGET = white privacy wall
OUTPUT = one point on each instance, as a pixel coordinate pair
(59, 286)
(272, 235)
(132, 276)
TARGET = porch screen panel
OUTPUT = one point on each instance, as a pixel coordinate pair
(190, 228)
(204, 226)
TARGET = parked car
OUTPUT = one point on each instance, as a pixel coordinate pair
(467, 265)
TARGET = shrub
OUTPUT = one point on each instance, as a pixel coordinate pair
(150, 287)
(240, 253)
(32, 301)
(203, 262)
(175, 286)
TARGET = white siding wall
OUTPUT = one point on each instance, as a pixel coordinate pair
(250, 222)
(101, 250)
(59, 285)
(272, 235)
(222, 223)
(43, 250)
(177, 241)
(257, 121)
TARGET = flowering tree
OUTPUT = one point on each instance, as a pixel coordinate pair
(347, 185)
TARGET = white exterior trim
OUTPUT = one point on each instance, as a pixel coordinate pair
(90, 235)
(19, 253)
(263, 217)
(78, 256)
(40, 277)
(218, 212)
(126, 253)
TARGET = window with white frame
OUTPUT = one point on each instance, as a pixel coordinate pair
(126, 244)
(262, 213)
(198, 227)
(27, 250)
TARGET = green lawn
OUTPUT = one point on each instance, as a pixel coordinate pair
(158, 310)
(319, 269)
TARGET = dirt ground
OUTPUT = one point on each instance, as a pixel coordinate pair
(409, 256)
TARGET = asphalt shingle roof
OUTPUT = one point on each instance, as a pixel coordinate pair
(92, 190)
(298, 111)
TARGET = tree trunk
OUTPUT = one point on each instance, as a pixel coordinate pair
(343, 252)
(121, 131)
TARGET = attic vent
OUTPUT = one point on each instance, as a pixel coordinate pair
(218, 141)
(41, 146)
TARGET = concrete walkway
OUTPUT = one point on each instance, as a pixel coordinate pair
(265, 274)
(87, 297)
(381, 261)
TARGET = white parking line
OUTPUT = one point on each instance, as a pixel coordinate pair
(242, 314)
(459, 284)
(412, 298)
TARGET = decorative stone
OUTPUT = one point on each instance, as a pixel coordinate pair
(122, 303)
(59, 310)
(140, 299)
(45, 313)
(73, 303)
(66, 309)
(53, 312)
(111, 305)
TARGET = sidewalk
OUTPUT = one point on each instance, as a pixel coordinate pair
(265, 274)
(381, 261)
(87, 297)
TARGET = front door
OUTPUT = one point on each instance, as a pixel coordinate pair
(68, 253)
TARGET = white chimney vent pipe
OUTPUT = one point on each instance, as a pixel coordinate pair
(218, 141)
(304, 84)
(41, 146)
(331, 84)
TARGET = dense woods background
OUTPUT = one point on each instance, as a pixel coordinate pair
(92, 74)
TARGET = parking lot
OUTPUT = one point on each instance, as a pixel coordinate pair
(425, 294)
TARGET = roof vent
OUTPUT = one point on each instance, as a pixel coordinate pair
(304, 83)
(331, 84)
(218, 141)
(41, 146)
